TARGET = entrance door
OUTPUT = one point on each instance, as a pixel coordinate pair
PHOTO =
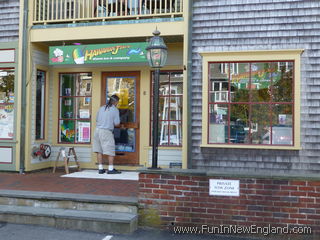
(127, 86)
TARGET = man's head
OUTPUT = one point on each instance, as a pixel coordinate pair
(114, 99)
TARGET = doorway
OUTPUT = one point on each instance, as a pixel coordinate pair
(127, 86)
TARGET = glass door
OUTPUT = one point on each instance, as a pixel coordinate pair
(126, 86)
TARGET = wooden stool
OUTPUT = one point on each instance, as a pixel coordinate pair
(66, 158)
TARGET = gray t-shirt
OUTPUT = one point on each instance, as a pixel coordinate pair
(108, 118)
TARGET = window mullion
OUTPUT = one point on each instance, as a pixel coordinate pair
(229, 103)
(250, 103)
(169, 109)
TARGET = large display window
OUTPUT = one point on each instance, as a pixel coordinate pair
(75, 108)
(7, 98)
(170, 108)
(251, 102)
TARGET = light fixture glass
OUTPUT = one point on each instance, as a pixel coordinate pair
(157, 51)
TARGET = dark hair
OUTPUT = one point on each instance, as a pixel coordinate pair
(114, 98)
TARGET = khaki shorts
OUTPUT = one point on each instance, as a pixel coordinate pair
(103, 142)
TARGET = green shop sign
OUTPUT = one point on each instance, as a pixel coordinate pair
(98, 53)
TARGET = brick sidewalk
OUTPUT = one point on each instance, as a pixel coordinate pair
(48, 182)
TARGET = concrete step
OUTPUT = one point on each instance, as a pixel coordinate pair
(93, 221)
(69, 201)
(86, 212)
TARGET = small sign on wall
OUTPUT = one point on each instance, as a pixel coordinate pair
(223, 187)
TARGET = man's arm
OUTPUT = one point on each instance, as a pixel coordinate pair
(97, 115)
(116, 121)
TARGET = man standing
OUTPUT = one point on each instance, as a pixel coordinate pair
(103, 142)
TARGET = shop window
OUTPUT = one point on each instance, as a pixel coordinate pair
(170, 108)
(253, 106)
(40, 104)
(75, 108)
(253, 102)
(7, 78)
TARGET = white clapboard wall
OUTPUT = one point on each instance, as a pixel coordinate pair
(166, 156)
(83, 153)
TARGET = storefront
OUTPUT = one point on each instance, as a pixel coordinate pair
(78, 79)
(8, 105)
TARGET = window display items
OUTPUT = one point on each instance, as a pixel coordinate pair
(67, 91)
(282, 119)
(67, 131)
(6, 121)
(74, 107)
(68, 114)
(83, 131)
(6, 103)
(84, 113)
(67, 102)
(86, 101)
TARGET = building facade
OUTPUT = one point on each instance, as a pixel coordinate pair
(249, 102)
(255, 82)
(253, 139)
(82, 52)
(10, 70)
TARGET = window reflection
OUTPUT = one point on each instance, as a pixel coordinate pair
(260, 109)
(170, 108)
(124, 88)
(40, 104)
(124, 139)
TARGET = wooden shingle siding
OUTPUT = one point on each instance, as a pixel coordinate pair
(241, 25)
(9, 20)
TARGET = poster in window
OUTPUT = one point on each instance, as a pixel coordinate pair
(11, 98)
(83, 131)
(84, 113)
(67, 131)
(88, 87)
(86, 101)
(6, 121)
(282, 119)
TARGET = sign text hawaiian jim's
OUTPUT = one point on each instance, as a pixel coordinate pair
(99, 53)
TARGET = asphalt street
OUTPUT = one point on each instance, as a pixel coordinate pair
(10, 231)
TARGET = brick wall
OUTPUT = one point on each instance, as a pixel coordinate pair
(168, 199)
